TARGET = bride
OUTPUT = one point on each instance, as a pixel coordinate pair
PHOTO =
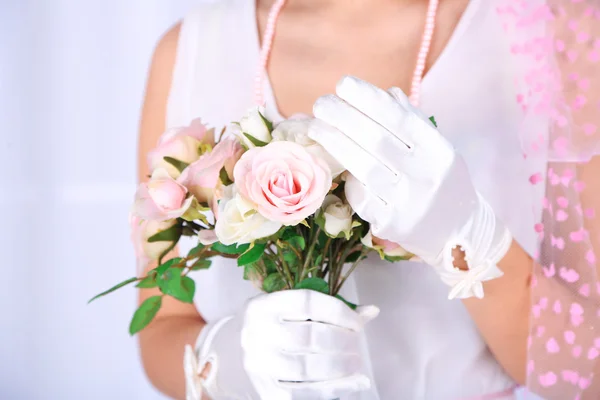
(473, 200)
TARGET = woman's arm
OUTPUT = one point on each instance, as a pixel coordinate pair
(502, 315)
(177, 324)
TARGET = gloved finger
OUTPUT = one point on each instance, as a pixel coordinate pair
(298, 305)
(314, 367)
(423, 132)
(404, 101)
(377, 104)
(333, 389)
(367, 313)
(364, 166)
(320, 307)
(314, 337)
(365, 203)
(362, 129)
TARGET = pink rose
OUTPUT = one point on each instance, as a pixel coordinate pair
(161, 198)
(141, 231)
(384, 247)
(182, 144)
(207, 237)
(202, 177)
(283, 180)
(390, 248)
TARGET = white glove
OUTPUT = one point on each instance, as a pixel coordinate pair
(289, 345)
(409, 182)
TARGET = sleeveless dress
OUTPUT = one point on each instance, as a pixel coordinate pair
(422, 345)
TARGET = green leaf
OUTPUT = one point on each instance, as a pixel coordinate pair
(398, 258)
(148, 282)
(268, 123)
(251, 270)
(200, 264)
(144, 314)
(351, 305)
(179, 165)
(292, 238)
(318, 260)
(291, 258)
(273, 283)
(252, 255)
(177, 286)
(171, 234)
(432, 119)
(314, 283)
(112, 289)
(170, 281)
(322, 240)
(188, 290)
(224, 176)
(196, 250)
(231, 249)
(298, 242)
(163, 267)
(255, 141)
(270, 265)
(193, 214)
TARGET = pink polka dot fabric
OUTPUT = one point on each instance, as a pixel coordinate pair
(556, 44)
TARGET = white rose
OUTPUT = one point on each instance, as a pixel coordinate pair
(296, 130)
(338, 216)
(254, 125)
(239, 222)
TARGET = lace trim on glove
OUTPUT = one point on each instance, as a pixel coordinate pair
(195, 361)
(485, 242)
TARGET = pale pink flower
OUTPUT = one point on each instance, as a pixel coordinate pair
(207, 237)
(182, 144)
(141, 231)
(284, 181)
(202, 177)
(384, 247)
(390, 248)
(161, 198)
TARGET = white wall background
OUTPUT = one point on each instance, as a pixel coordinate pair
(72, 74)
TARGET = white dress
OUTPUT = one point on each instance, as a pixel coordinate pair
(422, 345)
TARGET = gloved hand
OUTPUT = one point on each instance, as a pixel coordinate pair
(289, 345)
(409, 182)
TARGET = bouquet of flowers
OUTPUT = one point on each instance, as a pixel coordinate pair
(268, 196)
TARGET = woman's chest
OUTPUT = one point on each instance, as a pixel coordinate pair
(313, 50)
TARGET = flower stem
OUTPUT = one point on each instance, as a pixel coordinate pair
(354, 265)
(327, 243)
(313, 243)
(286, 268)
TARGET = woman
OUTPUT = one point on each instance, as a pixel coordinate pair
(421, 345)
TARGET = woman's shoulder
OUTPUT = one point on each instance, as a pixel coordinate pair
(185, 35)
